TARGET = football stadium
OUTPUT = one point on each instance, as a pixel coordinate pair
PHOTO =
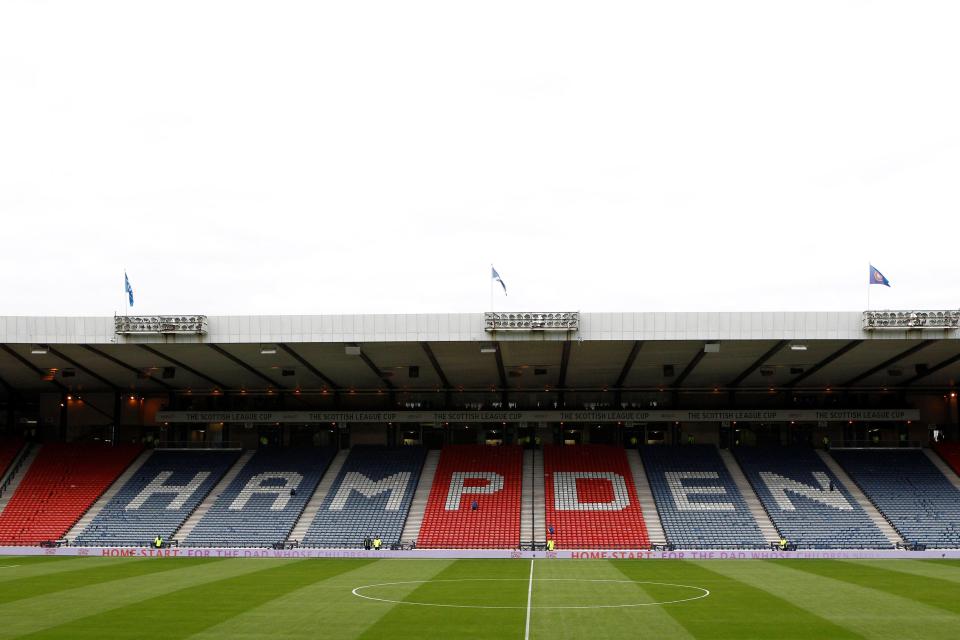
(252, 386)
(491, 475)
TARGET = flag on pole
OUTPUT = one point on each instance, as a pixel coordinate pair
(128, 288)
(496, 277)
(878, 278)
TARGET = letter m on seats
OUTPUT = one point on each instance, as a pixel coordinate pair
(158, 486)
(395, 485)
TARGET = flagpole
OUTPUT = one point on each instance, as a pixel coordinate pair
(491, 286)
(869, 283)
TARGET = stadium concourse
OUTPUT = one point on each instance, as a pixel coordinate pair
(469, 434)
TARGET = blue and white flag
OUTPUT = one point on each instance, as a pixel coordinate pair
(496, 277)
(128, 288)
(878, 278)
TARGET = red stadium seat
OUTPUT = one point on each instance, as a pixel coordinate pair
(61, 484)
(491, 476)
(8, 451)
(950, 452)
(591, 501)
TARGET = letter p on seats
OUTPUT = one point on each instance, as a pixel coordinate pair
(459, 488)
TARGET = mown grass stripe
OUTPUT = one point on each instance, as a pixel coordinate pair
(406, 621)
(89, 574)
(38, 566)
(735, 608)
(325, 609)
(42, 612)
(573, 624)
(200, 607)
(868, 612)
(933, 592)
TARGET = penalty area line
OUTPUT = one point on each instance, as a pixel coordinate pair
(526, 633)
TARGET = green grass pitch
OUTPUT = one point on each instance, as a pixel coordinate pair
(75, 598)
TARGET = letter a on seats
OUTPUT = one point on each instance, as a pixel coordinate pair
(778, 486)
(180, 492)
(281, 484)
(395, 485)
(458, 488)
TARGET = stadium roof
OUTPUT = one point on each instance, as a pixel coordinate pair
(626, 351)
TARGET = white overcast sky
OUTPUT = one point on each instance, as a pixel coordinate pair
(242, 157)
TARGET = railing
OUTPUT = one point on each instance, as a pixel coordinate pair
(911, 320)
(162, 325)
(187, 444)
(532, 321)
(14, 468)
(877, 444)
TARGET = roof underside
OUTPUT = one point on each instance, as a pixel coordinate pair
(531, 365)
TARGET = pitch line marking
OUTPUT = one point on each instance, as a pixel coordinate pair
(10, 566)
(704, 593)
(526, 633)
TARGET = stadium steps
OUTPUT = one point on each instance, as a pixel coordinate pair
(411, 528)
(871, 510)
(7, 472)
(651, 517)
(18, 469)
(102, 501)
(194, 518)
(313, 504)
(539, 505)
(760, 515)
(526, 499)
(944, 468)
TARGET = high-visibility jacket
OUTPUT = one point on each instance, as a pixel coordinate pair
(550, 545)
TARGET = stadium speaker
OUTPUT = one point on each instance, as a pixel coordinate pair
(168, 372)
(796, 371)
(920, 368)
(68, 373)
(668, 370)
(766, 371)
(413, 371)
(539, 372)
(287, 372)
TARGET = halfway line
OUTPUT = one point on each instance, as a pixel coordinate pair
(526, 633)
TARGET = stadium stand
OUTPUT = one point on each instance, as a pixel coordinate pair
(258, 509)
(9, 448)
(370, 497)
(60, 485)
(591, 499)
(699, 504)
(158, 498)
(910, 491)
(808, 504)
(490, 476)
(950, 452)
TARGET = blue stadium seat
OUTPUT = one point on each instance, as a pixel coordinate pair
(370, 497)
(158, 498)
(794, 486)
(910, 492)
(257, 509)
(700, 507)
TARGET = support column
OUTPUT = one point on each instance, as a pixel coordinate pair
(117, 417)
(64, 415)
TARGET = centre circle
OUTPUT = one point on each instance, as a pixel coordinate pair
(607, 590)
